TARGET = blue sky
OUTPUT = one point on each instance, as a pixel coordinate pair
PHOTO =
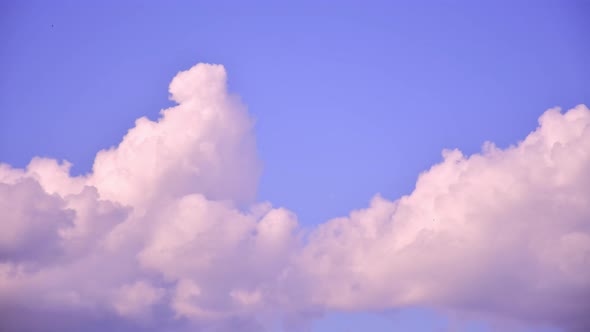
(349, 100)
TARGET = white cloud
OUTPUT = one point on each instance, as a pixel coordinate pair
(135, 299)
(164, 233)
(505, 232)
(31, 222)
(204, 145)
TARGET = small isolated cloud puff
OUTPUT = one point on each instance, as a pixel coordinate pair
(163, 234)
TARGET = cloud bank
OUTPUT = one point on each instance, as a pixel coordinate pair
(164, 233)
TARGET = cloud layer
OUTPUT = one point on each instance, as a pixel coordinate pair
(164, 233)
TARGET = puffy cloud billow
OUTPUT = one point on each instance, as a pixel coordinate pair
(164, 233)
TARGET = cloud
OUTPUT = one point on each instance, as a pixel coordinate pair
(204, 145)
(164, 233)
(31, 222)
(504, 232)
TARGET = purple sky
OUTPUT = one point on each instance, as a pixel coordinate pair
(299, 184)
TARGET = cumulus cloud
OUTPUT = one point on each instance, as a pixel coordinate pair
(164, 233)
(504, 232)
(204, 145)
(31, 222)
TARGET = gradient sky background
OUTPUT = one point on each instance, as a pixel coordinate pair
(349, 100)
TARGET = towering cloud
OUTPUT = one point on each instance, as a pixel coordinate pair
(164, 233)
(204, 145)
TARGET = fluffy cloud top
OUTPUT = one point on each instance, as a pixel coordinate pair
(163, 234)
(503, 232)
(204, 145)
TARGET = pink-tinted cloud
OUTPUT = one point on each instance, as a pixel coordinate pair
(164, 233)
(504, 232)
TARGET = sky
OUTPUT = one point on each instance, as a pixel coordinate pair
(356, 166)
